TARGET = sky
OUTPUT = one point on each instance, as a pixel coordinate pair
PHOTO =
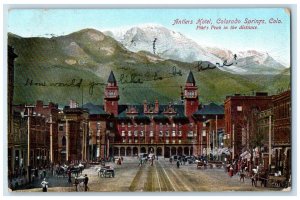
(273, 38)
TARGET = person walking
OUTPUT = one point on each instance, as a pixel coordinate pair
(44, 185)
(141, 162)
(86, 181)
(76, 182)
(178, 163)
(69, 176)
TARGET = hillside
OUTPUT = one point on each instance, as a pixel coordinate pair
(77, 66)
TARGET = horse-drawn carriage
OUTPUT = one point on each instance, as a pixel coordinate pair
(201, 164)
(63, 170)
(217, 164)
(106, 171)
(278, 181)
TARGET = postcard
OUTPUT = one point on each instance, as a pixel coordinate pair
(149, 100)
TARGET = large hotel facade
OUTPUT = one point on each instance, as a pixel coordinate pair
(163, 130)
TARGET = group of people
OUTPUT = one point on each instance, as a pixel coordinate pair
(240, 167)
(85, 183)
(77, 182)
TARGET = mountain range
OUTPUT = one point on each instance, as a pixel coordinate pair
(169, 44)
(77, 66)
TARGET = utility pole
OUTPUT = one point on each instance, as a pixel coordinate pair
(51, 139)
(270, 137)
(217, 135)
(213, 140)
(233, 142)
(67, 140)
(28, 146)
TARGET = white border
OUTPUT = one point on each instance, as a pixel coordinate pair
(160, 3)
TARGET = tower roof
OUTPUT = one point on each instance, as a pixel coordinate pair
(190, 78)
(111, 78)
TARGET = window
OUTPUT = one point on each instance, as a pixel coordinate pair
(61, 127)
(142, 133)
(167, 133)
(239, 108)
(191, 124)
(173, 125)
(124, 140)
(152, 141)
(160, 134)
(167, 141)
(204, 133)
(204, 124)
(98, 126)
(179, 133)
(63, 141)
(129, 125)
(135, 141)
(173, 133)
(151, 134)
(179, 124)
(173, 141)
(111, 93)
(135, 124)
(129, 133)
(135, 133)
(123, 124)
(141, 124)
(190, 134)
(123, 133)
(129, 140)
(179, 141)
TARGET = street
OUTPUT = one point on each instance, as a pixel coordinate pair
(161, 177)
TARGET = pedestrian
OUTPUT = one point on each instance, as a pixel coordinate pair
(44, 185)
(231, 171)
(69, 176)
(178, 163)
(44, 173)
(253, 179)
(76, 182)
(141, 162)
(86, 181)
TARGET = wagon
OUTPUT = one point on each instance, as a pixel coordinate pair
(109, 173)
(278, 181)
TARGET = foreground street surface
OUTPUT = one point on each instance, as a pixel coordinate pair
(161, 177)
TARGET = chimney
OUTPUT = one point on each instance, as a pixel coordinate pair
(145, 106)
(156, 106)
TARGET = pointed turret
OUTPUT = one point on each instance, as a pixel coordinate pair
(111, 97)
(191, 101)
(190, 78)
(111, 78)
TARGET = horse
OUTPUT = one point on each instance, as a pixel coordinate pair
(61, 171)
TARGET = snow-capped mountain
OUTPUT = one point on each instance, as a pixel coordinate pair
(169, 44)
(163, 42)
(250, 62)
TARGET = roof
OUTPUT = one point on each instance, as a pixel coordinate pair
(111, 78)
(190, 78)
(94, 109)
(211, 109)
